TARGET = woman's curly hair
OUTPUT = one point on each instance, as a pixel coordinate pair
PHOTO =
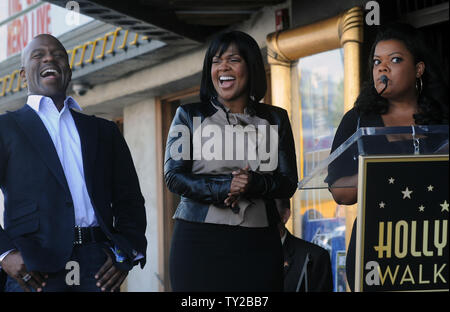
(433, 98)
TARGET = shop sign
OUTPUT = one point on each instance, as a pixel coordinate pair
(22, 20)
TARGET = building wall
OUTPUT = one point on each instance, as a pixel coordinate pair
(140, 133)
(171, 75)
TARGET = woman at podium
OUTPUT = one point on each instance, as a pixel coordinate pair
(405, 88)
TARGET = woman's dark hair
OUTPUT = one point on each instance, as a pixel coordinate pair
(433, 98)
(249, 50)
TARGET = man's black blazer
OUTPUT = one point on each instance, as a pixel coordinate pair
(319, 267)
(39, 214)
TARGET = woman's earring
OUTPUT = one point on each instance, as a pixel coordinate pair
(419, 84)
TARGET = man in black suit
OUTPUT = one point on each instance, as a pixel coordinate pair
(307, 267)
(72, 196)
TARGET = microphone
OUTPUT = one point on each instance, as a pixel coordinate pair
(384, 79)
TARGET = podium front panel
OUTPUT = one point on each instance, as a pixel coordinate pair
(402, 223)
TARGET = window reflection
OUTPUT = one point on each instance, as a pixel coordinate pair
(320, 90)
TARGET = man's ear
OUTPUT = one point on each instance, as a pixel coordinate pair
(22, 74)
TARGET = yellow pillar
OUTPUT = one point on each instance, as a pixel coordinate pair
(280, 71)
(281, 86)
(351, 29)
(352, 37)
(345, 30)
(286, 47)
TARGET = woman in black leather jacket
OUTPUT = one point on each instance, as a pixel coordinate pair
(229, 157)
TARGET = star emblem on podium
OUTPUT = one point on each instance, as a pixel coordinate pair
(444, 206)
(407, 193)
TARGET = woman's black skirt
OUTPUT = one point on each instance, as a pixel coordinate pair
(213, 257)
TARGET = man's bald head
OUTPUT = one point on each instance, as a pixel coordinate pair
(32, 43)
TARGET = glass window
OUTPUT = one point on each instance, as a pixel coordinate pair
(320, 80)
